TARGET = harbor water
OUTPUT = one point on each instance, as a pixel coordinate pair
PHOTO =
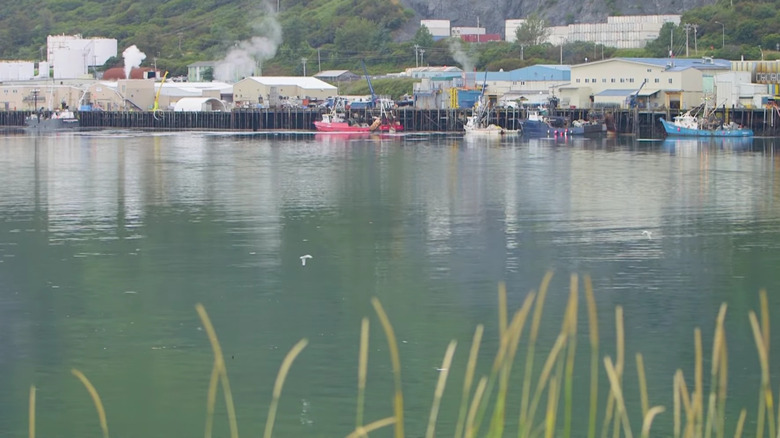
(109, 239)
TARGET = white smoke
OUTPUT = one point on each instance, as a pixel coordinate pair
(460, 56)
(246, 57)
(133, 58)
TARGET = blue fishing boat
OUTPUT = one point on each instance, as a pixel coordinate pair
(538, 125)
(701, 123)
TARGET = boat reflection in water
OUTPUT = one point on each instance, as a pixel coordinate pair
(346, 137)
(680, 146)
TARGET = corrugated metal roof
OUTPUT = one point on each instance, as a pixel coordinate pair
(299, 81)
(683, 63)
(331, 73)
(615, 92)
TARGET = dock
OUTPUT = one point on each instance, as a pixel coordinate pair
(763, 121)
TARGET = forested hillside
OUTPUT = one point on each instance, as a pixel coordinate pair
(339, 33)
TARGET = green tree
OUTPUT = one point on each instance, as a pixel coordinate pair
(294, 37)
(423, 37)
(659, 47)
(208, 74)
(532, 32)
(355, 36)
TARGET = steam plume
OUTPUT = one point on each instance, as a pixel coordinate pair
(133, 58)
(246, 57)
(460, 56)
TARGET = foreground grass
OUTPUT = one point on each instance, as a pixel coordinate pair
(695, 414)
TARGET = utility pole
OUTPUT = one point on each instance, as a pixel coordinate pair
(303, 60)
(319, 63)
(561, 52)
(695, 40)
(687, 27)
(416, 55)
(422, 53)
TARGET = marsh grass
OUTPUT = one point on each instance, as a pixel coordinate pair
(545, 397)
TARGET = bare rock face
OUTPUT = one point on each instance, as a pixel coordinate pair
(491, 14)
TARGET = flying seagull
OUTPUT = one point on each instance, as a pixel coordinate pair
(649, 234)
(303, 259)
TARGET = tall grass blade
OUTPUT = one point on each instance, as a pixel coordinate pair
(648, 419)
(221, 370)
(593, 333)
(502, 309)
(211, 398)
(529, 359)
(509, 343)
(440, 384)
(722, 388)
(31, 430)
(764, 303)
(542, 382)
(688, 405)
(95, 399)
(620, 340)
(698, 376)
(378, 424)
(398, 399)
(614, 384)
(468, 380)
(362, 372)
(717, 345)
(475, 402)
(764, 362)
(571, 323)
(740, 424)
(280, 378)
(640, 372)
(676, 394)
(552, 405)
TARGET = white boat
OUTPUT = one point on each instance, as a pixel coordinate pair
(477, 123)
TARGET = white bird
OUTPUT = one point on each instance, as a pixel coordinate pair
(649, 234)
(303, 259)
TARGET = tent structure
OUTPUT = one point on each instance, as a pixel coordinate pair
(199, 104)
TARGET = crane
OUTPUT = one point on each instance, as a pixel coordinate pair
(632, 99)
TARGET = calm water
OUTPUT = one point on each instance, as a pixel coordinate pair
(109, 239)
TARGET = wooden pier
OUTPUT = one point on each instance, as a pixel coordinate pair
(763, 121)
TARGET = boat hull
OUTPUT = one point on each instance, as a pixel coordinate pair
(681, 131)
(490, 131)
(540, 128)
(346, 127)
(34, 124)
(587, 129)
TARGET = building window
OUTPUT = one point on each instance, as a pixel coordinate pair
(578, 80)
(622, 80)
(604, 80)
(657, 80)
(670, 80)
(649, 70)
(612, 80)
(586, 80)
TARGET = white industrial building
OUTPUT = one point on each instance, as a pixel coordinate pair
(16, 70)
(623, 32)
(71, 55)
(438, 28)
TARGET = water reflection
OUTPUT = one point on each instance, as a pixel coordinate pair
(107, 241)
(688, 146)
